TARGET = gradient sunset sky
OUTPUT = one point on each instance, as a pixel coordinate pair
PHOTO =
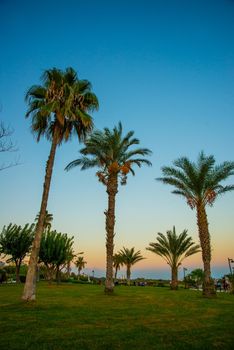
(165, 69)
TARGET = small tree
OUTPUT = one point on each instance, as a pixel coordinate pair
(70, 256)
(55, 251)
(129, 257)
(174, 249)
(16, 242)
(196, 277)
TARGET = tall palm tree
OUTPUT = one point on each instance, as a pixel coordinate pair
(129, 258)
(58, 109)
(200, 184)
(174, 249)
(109, 151)
(47, 220)
(80, 264)
(117, 263)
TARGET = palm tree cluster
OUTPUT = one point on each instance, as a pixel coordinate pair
(200, 184)
(127, 257)
(59, 109)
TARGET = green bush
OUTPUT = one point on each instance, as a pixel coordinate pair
(3, 275)
(22, 278)
(160, 284)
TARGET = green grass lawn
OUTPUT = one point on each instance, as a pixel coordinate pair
(82, 317)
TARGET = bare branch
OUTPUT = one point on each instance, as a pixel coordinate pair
(6, 145)
(4, 166)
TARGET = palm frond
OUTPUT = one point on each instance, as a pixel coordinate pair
(199, 182)
(84, 163)
(225, 189)
(129, 256)
(110, 150)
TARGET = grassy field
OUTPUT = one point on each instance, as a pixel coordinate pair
(82, 317)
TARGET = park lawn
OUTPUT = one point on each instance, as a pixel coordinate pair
(75, 316)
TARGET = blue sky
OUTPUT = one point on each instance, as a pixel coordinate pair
(166, 70)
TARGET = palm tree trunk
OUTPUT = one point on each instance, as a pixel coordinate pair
(17, 271)
(68, 269)
(174, 278)
(58, 279)
(29, 292)
(231, 280)
(204, 236)
(128, 275)
(112, 190)
(116, 271)
(50, 274)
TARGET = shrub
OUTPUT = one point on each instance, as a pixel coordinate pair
(3, 276)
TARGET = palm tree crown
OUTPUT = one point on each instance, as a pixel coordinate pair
(47, 220)
(198, 182)
(109, 151)
(80, 263)
(61, 105)
(117, 263)
(129, 256)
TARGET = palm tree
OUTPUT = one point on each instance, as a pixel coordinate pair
(58, 109)
(200, 184)
(109, 151)
(80, 264)
(70, 257)
(129, 258)
(174, 249)
(47, 221)
(117, 263)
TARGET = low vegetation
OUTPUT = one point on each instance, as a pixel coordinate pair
(82, 317)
